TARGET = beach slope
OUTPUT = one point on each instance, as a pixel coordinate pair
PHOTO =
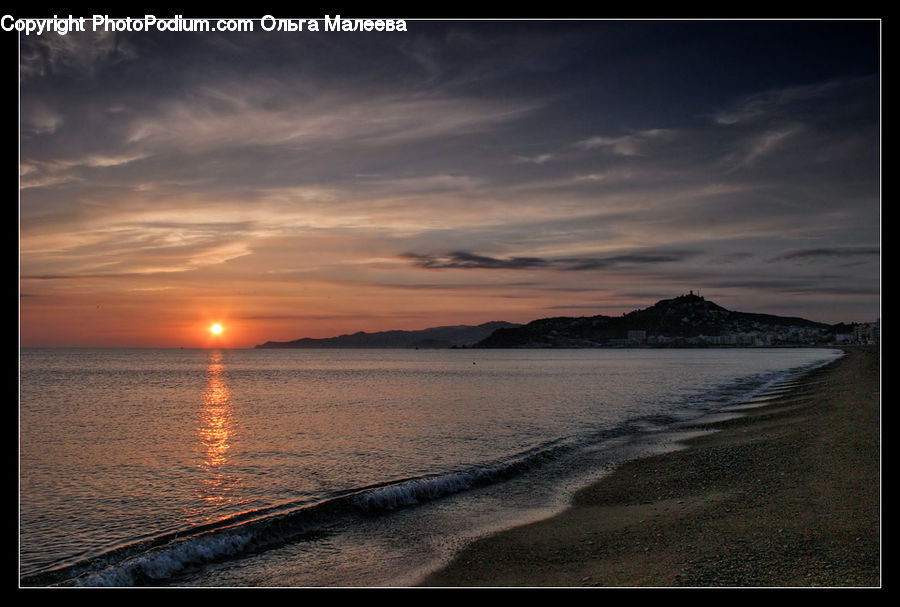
(786, 495)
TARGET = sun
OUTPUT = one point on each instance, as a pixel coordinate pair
(216, 329)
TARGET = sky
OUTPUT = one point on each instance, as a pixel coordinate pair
(311, 184)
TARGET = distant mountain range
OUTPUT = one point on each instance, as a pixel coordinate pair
(685, 321)
(435, 337)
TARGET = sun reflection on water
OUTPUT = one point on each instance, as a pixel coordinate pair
(216, 430)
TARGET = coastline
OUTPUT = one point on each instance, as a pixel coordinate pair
(787, 495)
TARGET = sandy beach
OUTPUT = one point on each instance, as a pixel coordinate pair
(788, 495)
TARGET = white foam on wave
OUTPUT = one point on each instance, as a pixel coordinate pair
(414, 491)
(164, 562)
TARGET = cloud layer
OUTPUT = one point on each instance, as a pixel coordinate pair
(391, 179)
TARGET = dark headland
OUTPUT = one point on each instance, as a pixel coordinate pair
(682, 322)
(686, 321)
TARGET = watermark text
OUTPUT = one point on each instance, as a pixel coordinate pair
(104, 23)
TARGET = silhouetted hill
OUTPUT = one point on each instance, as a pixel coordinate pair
(435, 337)
(688, 320)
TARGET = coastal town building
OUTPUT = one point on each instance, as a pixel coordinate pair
(637, 336)
(866, 333)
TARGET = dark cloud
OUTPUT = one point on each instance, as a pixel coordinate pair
(456, 286)
(836, 252)
(466, 260)
(599, 263)
(462, 259)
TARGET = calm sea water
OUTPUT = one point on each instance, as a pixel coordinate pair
(333, 467)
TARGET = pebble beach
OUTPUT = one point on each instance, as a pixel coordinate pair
(786, 495)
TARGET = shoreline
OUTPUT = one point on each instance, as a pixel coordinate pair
(786, 495)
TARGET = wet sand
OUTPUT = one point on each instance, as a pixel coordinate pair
(786, 496)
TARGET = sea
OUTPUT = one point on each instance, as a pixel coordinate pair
(337, 468)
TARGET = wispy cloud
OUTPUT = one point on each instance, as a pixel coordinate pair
(536, 159)
(772, 103)
(41, 173)
(274, 114)
(627, 145)
(38, 118)
(423, 183)
(764, 144)
(104, 161)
